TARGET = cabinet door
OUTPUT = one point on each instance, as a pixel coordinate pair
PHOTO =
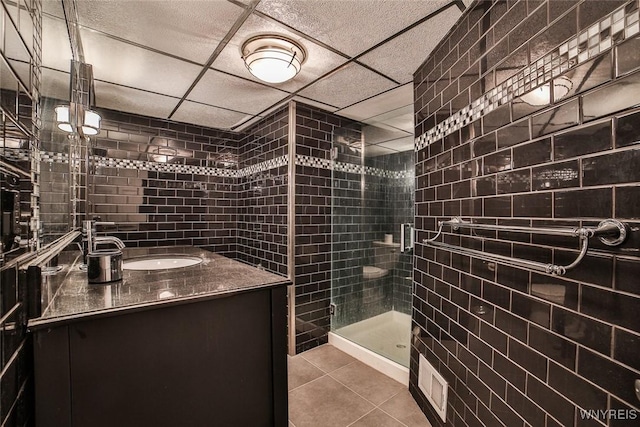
(201, 364)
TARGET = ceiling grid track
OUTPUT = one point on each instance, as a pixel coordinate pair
(232, 31)
(350, 61)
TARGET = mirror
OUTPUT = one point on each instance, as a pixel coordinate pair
(19, 211)
(62, 166)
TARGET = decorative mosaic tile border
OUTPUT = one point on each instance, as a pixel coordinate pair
(351, 168)
(316, 162)
(52, 157)
(163, 167)
(17, 155)
(615, 27)
(263, 166)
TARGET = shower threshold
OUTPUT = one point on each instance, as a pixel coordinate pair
(382, 342)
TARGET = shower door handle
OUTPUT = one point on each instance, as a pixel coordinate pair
(412, 237)
(402, 247)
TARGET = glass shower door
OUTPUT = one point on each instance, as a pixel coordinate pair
(372, 216)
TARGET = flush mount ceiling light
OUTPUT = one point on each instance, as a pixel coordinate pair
(273, 58)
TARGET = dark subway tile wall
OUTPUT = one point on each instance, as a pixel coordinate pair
(315, 131)
(262, 196)
(55, 213)
(540, 348)
(156, 208)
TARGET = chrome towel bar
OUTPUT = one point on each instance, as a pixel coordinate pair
(611, 232)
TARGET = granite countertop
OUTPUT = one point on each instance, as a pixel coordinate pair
(68, 296)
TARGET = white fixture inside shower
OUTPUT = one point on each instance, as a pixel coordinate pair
(434, 387)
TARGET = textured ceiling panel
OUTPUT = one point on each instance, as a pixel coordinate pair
(380, 104)
(319, 60)
(55, 84)
(400, 118)
(53, 7)
(131, 100)
(56, 51)
(186, 28)
(206, 115)
(350, 26)
(350, 84)
(395, 60)
(313, 103)
(127, 65)
(223, 90)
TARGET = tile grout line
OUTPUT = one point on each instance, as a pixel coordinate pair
(375, 406)
(308, 382)
(364, 415)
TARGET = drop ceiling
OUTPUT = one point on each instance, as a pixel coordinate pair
(180, 60)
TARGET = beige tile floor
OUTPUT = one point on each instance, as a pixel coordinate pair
(330, 388)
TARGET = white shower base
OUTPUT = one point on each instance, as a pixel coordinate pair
(382, 342)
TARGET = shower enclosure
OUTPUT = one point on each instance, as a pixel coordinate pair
(372, 235)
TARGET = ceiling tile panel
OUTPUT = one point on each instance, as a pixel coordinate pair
(387, 101)
(319, 60)
(186, 28)
(135, 101)
(223, 90)
(56, 51)
(314, 103)
(53, 7)
(396, 60)
(55, 84)
(350, 26)
(128, 65)
(400, 118)
(206, 115)
(348, 85)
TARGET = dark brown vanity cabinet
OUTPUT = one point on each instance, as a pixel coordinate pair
(207, 362)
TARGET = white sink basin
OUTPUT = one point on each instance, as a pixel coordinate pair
(161, 262)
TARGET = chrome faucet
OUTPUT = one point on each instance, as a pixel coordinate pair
(89, 230)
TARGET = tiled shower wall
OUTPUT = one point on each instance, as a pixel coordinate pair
(399, 199)
(315, 131)
(516, 347)
(370, 202)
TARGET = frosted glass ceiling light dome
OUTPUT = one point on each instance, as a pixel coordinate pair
(272, 58)
(541, 95)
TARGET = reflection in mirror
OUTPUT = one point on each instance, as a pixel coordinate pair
(15, 190)
(59, 176)
(17, 54)
(9, 88)
(19, 147)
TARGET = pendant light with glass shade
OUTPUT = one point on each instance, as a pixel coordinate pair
(78, 116)
(90, 124)
(273, 58)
